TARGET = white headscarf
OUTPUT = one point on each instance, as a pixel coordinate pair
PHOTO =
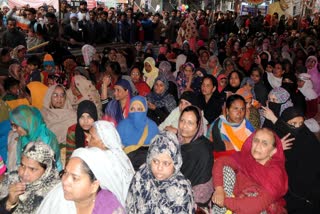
(181, 59)
(109, 170)
(307, 89)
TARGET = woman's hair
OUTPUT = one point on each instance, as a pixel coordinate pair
(196, 112)
(212, 79)
(237, 72)
(88, 171)
(232, 99)
(138, 66)
(115, 67)
(260, 71)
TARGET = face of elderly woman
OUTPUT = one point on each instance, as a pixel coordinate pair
(58, 98)
(162, 166)
(76, 182)
(94, 139)
(263, 147)
(159, 87)
(30, 170)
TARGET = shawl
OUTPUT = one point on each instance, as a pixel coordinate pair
(112, 171)
(190, 27)
(37, 91)
(165, 70)
(86, 106)
(107, 170)
(272, 176)
(131, 129)
(182, 80)
(219, 78)
(301, 159)
(172, 195)
(274, 81)
(105, 202)
(232, 136)
(88, 92)
(88, 51)
(119, 162)
(181, 60)
(283, 97)
(30, 119)
(162, 100)
(37, 190)
(152, 75)
(307, 89)
(58, 120)
(315, 74)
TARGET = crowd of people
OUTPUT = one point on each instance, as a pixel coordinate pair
(220, 117)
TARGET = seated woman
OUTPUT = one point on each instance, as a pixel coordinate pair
(165, 69)
(260, 90)
(27, 121)
(137, 79)
(186, 77)
(89, 185)
(159, 186)
(301, 159)
(229, 132)
(150, 71)
(234, 82)
(160, 102)
(196, 154)
(253, 180)
(58, 114)
(36, 176)
(136, 131)
(82, 89)
(278, 100)
(77, 134)
(117, 109)
(104, 136)
(211, 103)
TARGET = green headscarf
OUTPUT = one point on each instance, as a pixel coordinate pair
(30, 119)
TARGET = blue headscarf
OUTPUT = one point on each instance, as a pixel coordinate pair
(30, 119)
(131, 128)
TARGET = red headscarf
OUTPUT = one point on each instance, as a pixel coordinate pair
(272, 176)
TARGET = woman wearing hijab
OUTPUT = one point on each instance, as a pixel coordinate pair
(150, 71)
(278, 100)
(104, 135)
(136, 131)
(118, 108)
(137, 79)
(77, 134)
(83, 89)
(197, 155)
(234, 82)
(36, 176)
(260, 90)
(253, 180)
(160, 102)
(58, 113)
(305, 86)
(159, 186)
(98, 188)
(27, 121)
(165, 70)
(312, 68)
(186, 78)
(229, 132)
(302, 158)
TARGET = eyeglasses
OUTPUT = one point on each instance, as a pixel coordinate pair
(56, 95)
(163, 163)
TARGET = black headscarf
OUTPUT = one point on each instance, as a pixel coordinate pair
(89, 107)
(302, 165)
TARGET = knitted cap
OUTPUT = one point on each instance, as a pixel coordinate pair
(48, 60)
(2, 166)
